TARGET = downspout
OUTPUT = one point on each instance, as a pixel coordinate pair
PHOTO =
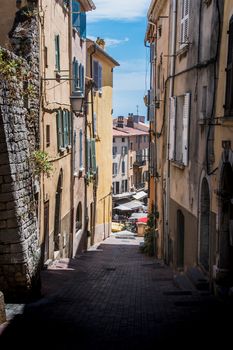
(93, 135)
(70, 253)
(171, 92)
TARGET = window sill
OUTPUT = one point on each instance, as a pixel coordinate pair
(183, 50)
(62, 150)
(178, 164)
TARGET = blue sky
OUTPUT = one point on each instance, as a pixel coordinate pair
(122, 23)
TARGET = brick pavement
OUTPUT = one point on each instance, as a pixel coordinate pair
(114, 297)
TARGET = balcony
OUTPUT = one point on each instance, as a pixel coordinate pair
(139, 162)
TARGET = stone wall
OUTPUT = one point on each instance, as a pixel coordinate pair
(19, 120)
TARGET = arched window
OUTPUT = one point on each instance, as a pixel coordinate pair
(78, 225)
(229, 73)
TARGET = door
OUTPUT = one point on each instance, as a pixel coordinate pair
(46, 231)
(180, 239)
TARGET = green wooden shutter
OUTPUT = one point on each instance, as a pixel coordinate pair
(93, 156)
(60, 143)
(65, 116)
(88, 157)
(80, 149)
(57, 53)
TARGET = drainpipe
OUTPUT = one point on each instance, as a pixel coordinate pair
(93, 135)
(171, 92)
(72, 136)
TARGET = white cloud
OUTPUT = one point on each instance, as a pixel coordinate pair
(111, 42)
(127, 10)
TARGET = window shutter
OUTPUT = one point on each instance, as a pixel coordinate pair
(100, 77)
(152, 106)
(83, 25)
(60, 143)
(82, 79)
(65, 116)
(172, 127)
(57, 53)
(76, 75)
(229, 73)
(80, 149)
(75, 14)
(93, 156)
(95, 125)
(185, 141)
(96, 80)
(88, 157)
(75, 152)
(184, 22)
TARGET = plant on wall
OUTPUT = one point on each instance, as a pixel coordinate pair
(41, 163)
(149, 236)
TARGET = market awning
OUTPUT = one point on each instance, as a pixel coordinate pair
(136, 216)
(140, 195)
(132, 205)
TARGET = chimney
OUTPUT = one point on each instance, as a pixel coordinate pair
(130, 121)
(120, 122)
(100, 42)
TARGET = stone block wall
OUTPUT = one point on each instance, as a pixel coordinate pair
(19, 137)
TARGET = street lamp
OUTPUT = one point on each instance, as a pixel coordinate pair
(76, 104)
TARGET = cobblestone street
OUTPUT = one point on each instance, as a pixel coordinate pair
(114, 297)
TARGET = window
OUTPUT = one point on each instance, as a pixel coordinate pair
(204, 101)
(114, 169)
(78, 19)
(144, 138)
(151, 105)
(124, 150)
(57, 53)
(184, 26)
(47, 134)
(97, 76)
(179, 128)
(63, 129)
(114, 140)
(78, 225)
(124, 186)
(122, 139)
(114, 150)
(78, 77)
(131, 146)
(123, 167)
(229, 73)
(80, 150)
(116, 187)
(131, 162)
(90, 157)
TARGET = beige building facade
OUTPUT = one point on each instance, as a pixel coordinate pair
(99, 141)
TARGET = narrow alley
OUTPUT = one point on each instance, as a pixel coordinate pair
(114, 297)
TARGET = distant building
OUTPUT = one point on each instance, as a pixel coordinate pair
(130, 155)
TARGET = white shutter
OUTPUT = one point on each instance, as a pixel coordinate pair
(172, 127)
(184, 22)
(185, 141)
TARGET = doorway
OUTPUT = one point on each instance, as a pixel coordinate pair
(204, 248)
(226, 219)
(46, 231)
(57, 219)
(180, 239)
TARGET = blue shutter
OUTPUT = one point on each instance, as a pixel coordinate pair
(75, 75)
(82, 80)
(57, 53)
(96, 74)
(75, 153)
(83, 25)
(75, 14)
(60, 142)
(88, 157)
(100, 77)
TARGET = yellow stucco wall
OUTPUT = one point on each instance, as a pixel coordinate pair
(103, 109)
